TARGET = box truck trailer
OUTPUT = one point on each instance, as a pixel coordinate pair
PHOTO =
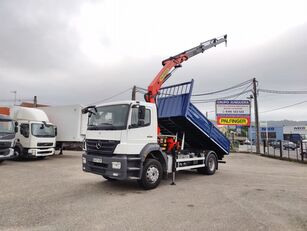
(71, 125)
(35, 136)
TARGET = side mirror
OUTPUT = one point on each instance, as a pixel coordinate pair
(24, 130)
(141, 112)
(16, 129)
(90, 109)
(55, 131)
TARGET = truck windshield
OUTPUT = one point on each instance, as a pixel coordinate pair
(41, 130)
(112, 117)
(7, 126)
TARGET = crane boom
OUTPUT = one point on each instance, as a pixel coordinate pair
(170, 64)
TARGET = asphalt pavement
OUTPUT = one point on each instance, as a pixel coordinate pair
(249, 192)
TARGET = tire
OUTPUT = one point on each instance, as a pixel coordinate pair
(1, 161)
(151, 175)
(211, 164)
(108, 178)
(18, 154)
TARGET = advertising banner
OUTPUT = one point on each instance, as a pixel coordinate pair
(233, 112)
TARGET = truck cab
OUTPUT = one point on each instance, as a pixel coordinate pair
(7, 138)
(116, 137)
(36, 135)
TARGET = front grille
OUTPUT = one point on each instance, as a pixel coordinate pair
(101, 147)
(44, 144)
(5, 144)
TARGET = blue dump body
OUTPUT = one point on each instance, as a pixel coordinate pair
(177, 114)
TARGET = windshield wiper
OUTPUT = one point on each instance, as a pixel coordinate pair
(107, 126)
(103, 126)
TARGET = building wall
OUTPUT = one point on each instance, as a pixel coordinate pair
(278, 133)
(302, 130)
(274, 133)
(295, 130)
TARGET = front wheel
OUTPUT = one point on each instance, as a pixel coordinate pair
(211, 164)
(151, 175)
(18, 153)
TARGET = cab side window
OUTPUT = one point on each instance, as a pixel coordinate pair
(135, 117)
(135, 122)
(147, 119)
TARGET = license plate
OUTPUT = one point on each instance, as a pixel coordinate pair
(97, 160)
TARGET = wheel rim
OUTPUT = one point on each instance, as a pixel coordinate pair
(211, 164)
(152, 174)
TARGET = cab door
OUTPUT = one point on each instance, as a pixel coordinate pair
(141, 130)
(23, 135)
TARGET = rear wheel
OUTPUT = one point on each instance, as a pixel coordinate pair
(211, 164)
(151, 175)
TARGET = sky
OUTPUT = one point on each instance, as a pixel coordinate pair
(84, 52)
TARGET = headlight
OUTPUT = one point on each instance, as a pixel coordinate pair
(32, 151)
(83, 160)
(116, 165)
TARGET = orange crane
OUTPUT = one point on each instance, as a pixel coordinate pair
(170, 64)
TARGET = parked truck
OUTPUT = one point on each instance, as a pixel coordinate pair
(36, 135)
(145, 141)
(71, 125)
(7, 138)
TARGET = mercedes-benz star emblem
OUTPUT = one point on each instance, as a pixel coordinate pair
(99, 145)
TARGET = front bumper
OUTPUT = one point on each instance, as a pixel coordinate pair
(41, 152)
(7, 154)
(130, 166)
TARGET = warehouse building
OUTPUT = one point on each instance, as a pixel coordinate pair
(292, 133)
(270, 133)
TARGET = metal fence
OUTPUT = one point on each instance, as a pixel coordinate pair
(280, 149)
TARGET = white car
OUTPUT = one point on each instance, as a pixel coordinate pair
(289, 145)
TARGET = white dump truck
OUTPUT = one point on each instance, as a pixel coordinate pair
(144, 141)
(71, 125)
(36, 135)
